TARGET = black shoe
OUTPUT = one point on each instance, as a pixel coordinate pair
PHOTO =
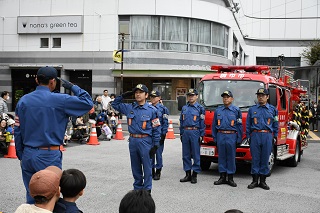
(263, 182)
(157, 174)
(254, 183)
(187, 177)
(194, 177)
(153, 172)
(230, 180)
(222, 179)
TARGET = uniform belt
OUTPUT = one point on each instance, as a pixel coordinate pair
(46, 147)
(139, 135)
(227, 131)
(191, 128)
(262, 130)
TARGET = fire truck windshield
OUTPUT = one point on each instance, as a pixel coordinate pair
(244, 93)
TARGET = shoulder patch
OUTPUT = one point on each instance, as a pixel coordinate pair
(239, 120)
(165, 116)
(202, 116)
(276, 118)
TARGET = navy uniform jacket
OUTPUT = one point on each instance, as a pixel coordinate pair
(192, 116)
(262, 118)
(163, 116)
(227, 118)
(141, 119)
(42, 116)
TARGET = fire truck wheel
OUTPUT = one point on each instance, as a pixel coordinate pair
(271, 162)
(205, 165)
(293, 162)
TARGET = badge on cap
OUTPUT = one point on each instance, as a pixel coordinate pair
(139, 86)
(261, 91)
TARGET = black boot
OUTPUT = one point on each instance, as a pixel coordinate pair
(194, 177)
(153, 173)
(157, 174)
(222, 179)
(230, 180)
(254, 183)
(263, 182)
(187, 177)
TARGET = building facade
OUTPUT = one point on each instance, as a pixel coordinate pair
(168, 44)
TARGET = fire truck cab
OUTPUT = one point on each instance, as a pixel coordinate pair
(243, 82)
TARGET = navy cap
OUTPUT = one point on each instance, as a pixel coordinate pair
(155, 93)
(47, 73)
(262, 91)
(228, 93)
(192, 92)
(141, 87)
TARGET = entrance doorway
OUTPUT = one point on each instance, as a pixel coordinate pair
(23, 82)
(82, 78)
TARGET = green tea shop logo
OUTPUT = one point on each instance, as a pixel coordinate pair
(50, 25)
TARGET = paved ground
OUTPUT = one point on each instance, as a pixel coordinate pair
(108, 172)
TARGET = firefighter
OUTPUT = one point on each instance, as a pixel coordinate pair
(261, 132)
(163, 112)
(227, 132)
(144, 128)
(191, 134)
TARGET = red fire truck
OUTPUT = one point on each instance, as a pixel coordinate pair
(243, 82)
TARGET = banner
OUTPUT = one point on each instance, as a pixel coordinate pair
(117, 56)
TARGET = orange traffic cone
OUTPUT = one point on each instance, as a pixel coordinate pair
(119, 135)
(170, 133)
(11, 150)
(93, 136)
(62, 148)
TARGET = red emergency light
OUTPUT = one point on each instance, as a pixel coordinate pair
(259, 69)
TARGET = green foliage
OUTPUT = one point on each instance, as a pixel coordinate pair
(312, 52)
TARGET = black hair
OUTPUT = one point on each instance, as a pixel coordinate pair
(137, 201)
(233, 211)
(4, 93)
(72, 182)
(43, 79)
(40, 199)
(112, 94)
(105, 90)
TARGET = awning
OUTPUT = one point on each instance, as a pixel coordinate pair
(33, 66)
(162, 73)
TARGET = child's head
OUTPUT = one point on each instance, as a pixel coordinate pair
(137, 201)
(72, 183)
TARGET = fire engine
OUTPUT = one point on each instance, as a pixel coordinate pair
(243, 82)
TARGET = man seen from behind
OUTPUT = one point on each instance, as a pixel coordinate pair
(41, 119)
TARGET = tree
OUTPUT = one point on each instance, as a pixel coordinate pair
(312, 52)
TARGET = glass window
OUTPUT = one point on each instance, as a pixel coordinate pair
(174, 30)
(164, 87)
(124, 28)
(174, 34)
(145, 28)
(200, 33)
(56, 42)
(274, 61)
(44, 42)
(219, 39)
(244, 92)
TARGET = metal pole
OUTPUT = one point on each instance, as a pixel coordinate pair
(317, 85)
(122, 56)
(121, 75)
